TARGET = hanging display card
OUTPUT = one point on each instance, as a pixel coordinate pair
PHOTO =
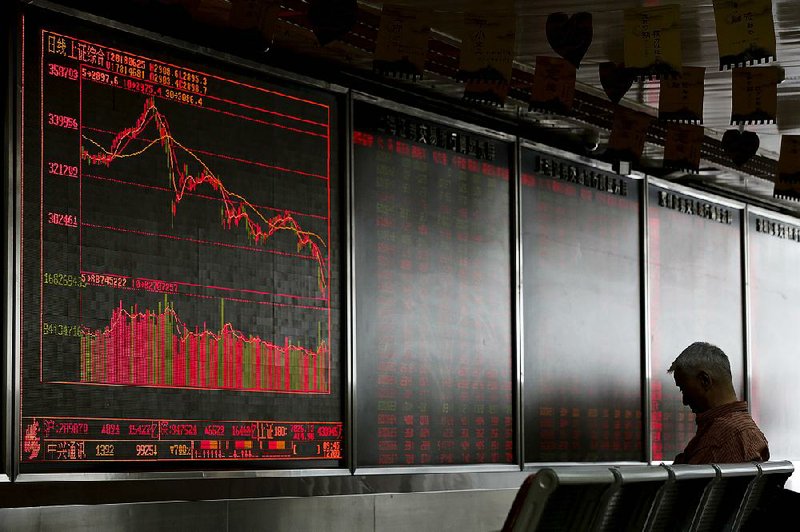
(745, 32)
(402, 45)
(755, 95)
(682, 147)
(681, 98)
(553, 85)
(570, 35)
(258, 15)
(628, 134)
(652, 41)
(788, 182)
(615, 79)
(487, 53)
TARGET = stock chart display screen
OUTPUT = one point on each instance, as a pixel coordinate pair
(695, 281)
(581, 312)
(180, 283)
(433, 293)
(774, 253)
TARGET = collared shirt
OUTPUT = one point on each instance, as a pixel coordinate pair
(726, 434)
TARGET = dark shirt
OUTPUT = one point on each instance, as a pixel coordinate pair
(725, 435)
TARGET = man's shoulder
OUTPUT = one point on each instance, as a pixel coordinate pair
(733, 423)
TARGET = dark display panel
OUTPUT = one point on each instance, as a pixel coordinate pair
(695, 285)
(774, 256)
(582, 312)
(180, 279)
(433, 293)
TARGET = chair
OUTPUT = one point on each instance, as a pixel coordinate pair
(564, 498)
(677, 501)
(724, 496)
(764, 495)
(629, 506)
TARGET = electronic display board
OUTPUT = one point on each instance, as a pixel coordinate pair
(180, 277)
(695, 293)
(581, 312)
(774, 254)
(433, 292)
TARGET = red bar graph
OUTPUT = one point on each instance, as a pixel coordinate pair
(156, 348)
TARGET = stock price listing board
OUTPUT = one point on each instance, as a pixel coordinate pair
(695, 285)
(581, 297)
(433, 293)
(180, 286)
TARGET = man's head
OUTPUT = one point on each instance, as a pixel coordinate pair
(703, 374)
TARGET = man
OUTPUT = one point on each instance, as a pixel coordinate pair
(726, 433)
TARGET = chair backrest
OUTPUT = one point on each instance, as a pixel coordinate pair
(678, 500)
(762, 492)
(596, 498)
(562, 498)
(628, 507)
(722, 499)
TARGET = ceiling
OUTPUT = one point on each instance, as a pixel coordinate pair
(754, 180)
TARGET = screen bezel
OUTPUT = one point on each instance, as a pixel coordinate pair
(41, 15)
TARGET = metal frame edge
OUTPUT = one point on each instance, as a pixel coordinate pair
(644, 283)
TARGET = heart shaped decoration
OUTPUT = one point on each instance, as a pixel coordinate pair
(616, 80)
(740, 145)
(570, 37)
(331, 19)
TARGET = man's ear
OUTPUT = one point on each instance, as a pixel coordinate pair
(705, 380)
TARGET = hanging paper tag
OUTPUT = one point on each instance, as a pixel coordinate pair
(553, 85)
(628, 134)
(745, 32)
(488, 92)
(755, 95)
(740, 146)
(487, 54)
(615, 79)
(402, 45)
(258, 15)
(653, 41)
(570, 36)
(788, 182)
(681, 98)
(682, 147)
(269, 21)
(331, 19)
(247, 14)
(212, 12)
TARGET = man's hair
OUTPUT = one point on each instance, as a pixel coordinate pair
(706, 357)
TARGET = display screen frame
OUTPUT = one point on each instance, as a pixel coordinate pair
(758, 395)
(219, 62)
(10, 242)
(738, 214)
(577, 163)
(10, 431)
(468, 128)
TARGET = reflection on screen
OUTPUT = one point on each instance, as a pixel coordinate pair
(775, 313)
(581, 311)
(433, 293)
(695, 295)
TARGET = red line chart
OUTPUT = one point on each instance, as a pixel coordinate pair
(236, 208)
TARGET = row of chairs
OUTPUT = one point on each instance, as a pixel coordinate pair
(695, 498)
